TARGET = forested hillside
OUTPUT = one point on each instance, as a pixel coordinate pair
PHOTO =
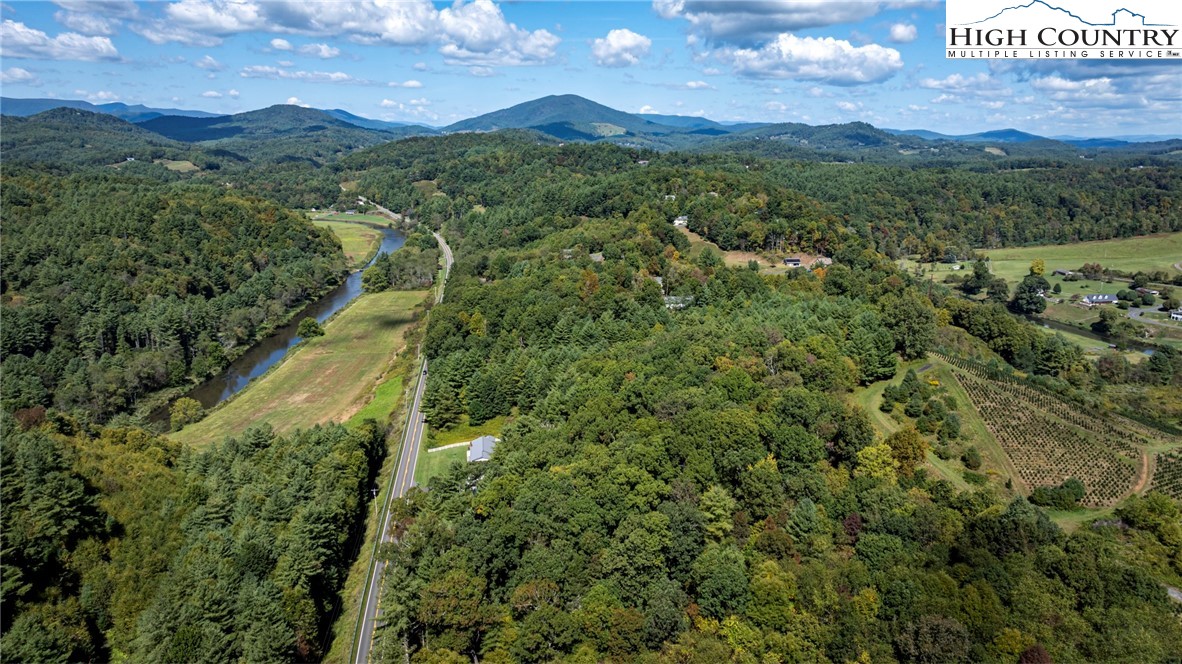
(117, 286)
(121, 545)
(745, 203)
(696, 485)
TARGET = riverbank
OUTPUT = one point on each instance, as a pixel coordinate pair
(326, 379)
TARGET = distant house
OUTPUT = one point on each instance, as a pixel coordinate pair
(793, 261)
(481, 449)
(681, 222)
(1063, 273)
(350, 211)
(956, 267)
(1099, 298)
(597, 257)
(642, 162)
(1176, 314)
(567, 254)
(1147, 291)
(805, 260)
(677, 302)
(670, 197)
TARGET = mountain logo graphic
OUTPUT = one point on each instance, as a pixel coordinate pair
(1119, 13)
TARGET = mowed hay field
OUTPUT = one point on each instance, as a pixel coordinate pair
(358, 240)
(326, 379)
(1148, 253)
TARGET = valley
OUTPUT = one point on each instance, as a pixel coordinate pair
(703, 452)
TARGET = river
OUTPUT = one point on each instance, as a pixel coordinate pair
(267, 352)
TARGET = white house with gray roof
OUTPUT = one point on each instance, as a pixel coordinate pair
(481, 449)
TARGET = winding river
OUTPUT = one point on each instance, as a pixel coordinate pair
(267, 352)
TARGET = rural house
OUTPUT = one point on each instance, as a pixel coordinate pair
(681, 222)
(1176, 314)
(1099, 298)
(481, 449)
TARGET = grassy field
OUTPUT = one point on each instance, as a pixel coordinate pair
(698, 244)
(359, 241)
(436, 463)
(973, 430)
(1149, 252)
(385, 400)
(327, 379)
(463, 432)
(178, 166)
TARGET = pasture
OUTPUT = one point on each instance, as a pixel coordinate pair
(359, 241)
(1147, 253)
(326, 379)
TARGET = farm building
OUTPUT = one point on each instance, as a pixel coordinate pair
(1176, 314)
(1148, 291)
(1099, 298)
(1063, 273)
(481, 449)
(805, 260)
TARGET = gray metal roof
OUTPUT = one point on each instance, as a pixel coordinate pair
(481, 449)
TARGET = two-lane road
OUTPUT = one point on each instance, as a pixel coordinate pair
(402, 480)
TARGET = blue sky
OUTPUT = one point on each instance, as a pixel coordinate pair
(730, 60)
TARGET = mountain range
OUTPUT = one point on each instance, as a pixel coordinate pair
(294, 133)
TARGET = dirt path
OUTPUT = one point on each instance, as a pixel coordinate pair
(1146, 473)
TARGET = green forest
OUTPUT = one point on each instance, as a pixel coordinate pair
(687, 473)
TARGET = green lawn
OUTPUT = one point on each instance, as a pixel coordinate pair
(463, 432)
(1149, 252)
(326, 379)
(436, 463)
(359, 241)
(385, 400)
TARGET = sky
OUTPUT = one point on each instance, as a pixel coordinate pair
(436, 63)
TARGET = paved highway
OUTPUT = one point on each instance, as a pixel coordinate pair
(402, 480)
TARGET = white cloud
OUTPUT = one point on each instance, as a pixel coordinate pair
(102, 96)
(208, 63)
(848, 106)
(280, 44)
(698, 85)
(481, 72)
(87, 24)
(960, 82)
(17, 75)
(476, 33)
(322, 51)
(993, 105)
(647, 109)
(420, 66)
(752, 21)
(233, 94)
(777, 106)
(620, 48)
(946, 99)
(414, 109)
(285, 63)
(903, 33)
(827, 60)
(211, 94)
(469, 33)
(295, 101)
(405, 84)
(275, 73)
(18, 40)
(159, 31)
(116, 9)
